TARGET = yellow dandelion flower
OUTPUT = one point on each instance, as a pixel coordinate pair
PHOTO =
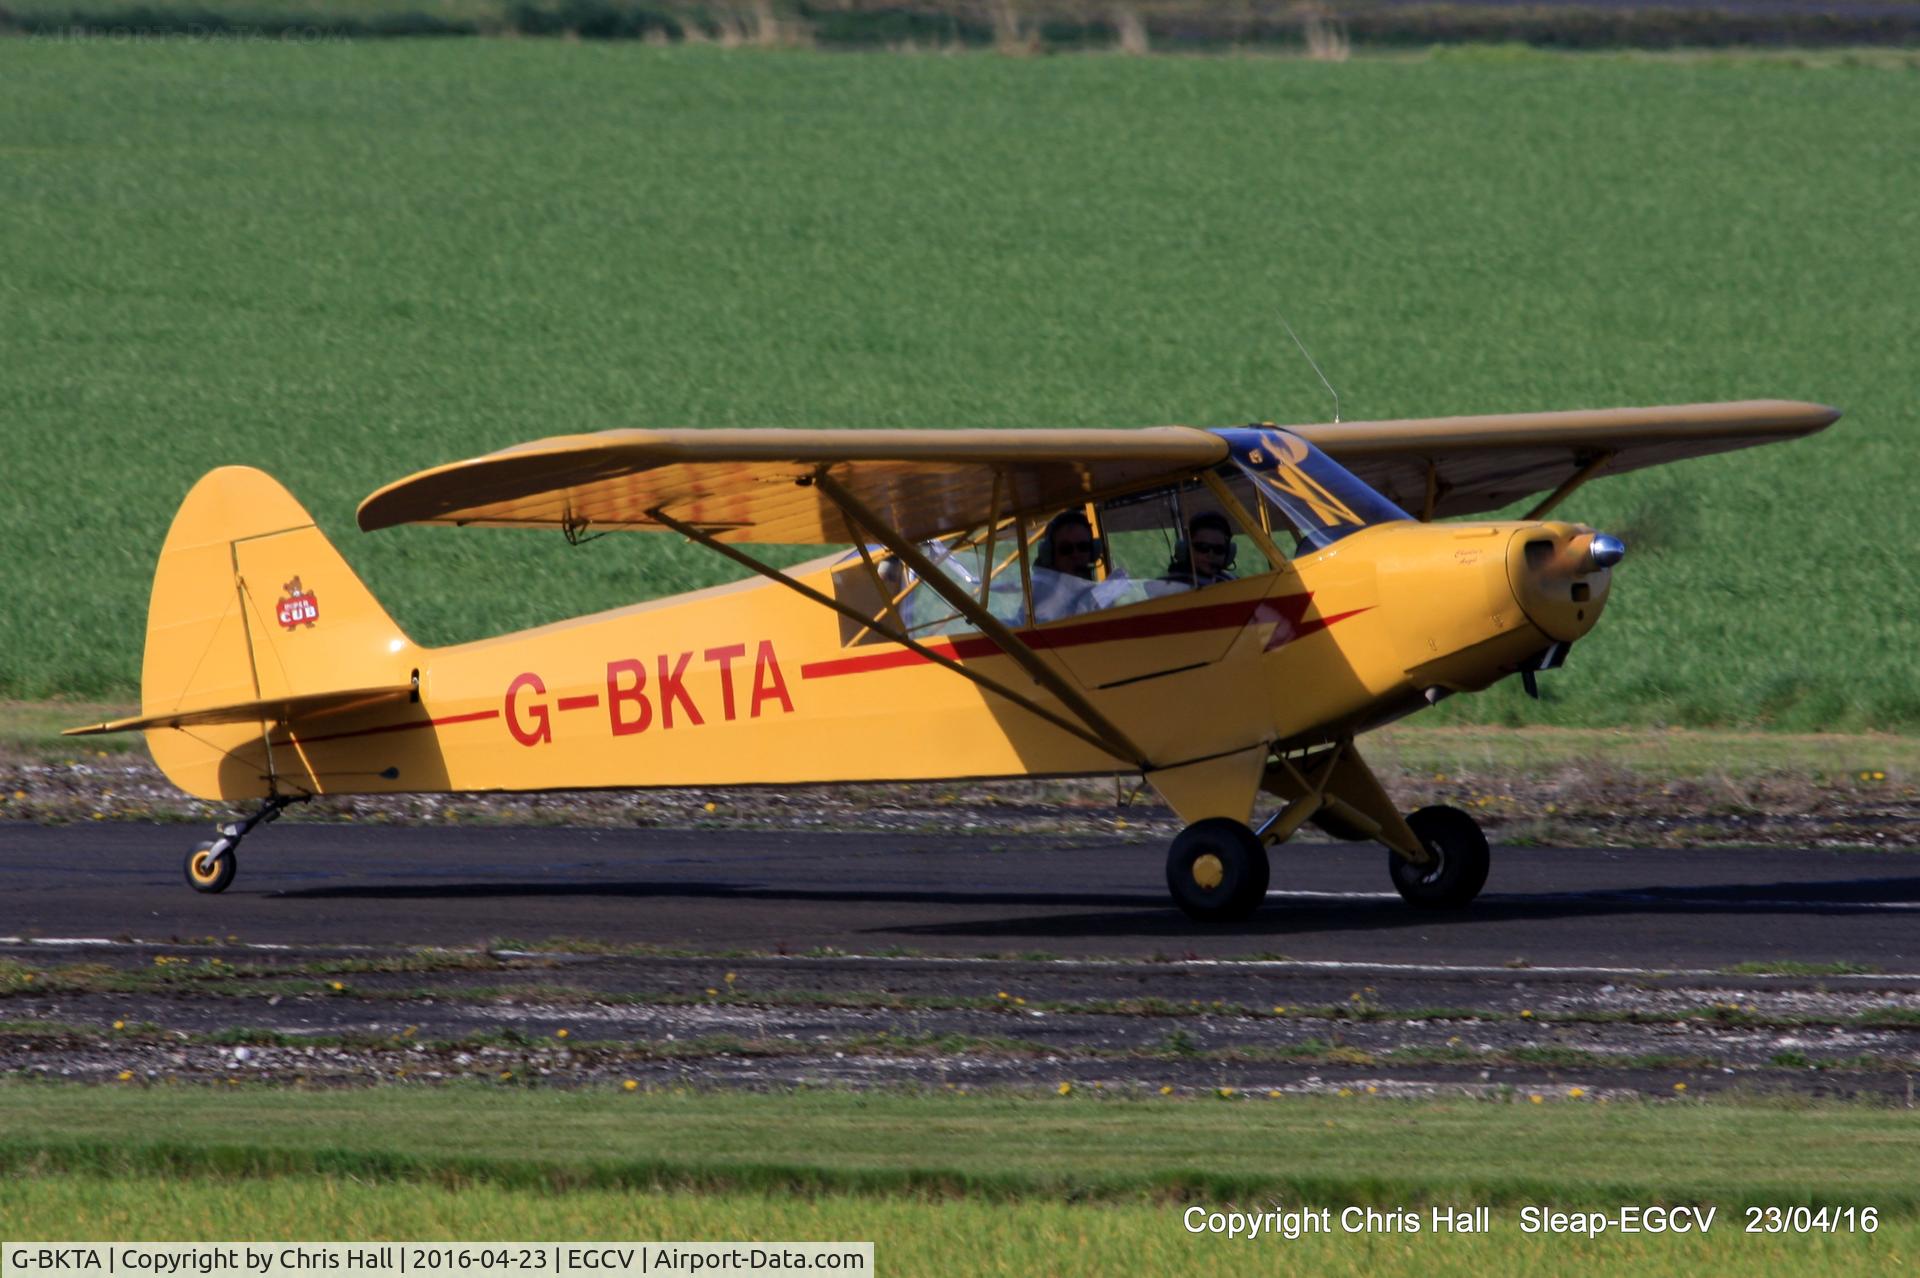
(1526, 1013)
(1166, 1090)
(712, 806)
(630, 1085)
(560, 1033)
(1537, 1099)
(119, 1024)
(1066, 1088)
(1679, 1087)
(1372, 1090)
(1576, 1092)
(336, 986)
(126, 1075)
(1274, 1094)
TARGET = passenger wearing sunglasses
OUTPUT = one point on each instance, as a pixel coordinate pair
(1205, 556)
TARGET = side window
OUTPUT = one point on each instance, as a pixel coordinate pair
(1132, 549)
(985, 565)
(1144, 546)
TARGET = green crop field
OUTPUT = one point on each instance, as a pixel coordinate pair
(1009, 1184)
(342, 261)
(910, 1236)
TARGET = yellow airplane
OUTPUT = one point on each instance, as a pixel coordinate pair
(1222, 611)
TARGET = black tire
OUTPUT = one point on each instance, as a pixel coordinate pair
(1459, 869)
(198, 876)
(1217, 870)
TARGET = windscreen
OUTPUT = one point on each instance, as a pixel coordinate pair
(1317, 497)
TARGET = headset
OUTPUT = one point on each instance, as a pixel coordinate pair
(1181, 565)
(1043, 553)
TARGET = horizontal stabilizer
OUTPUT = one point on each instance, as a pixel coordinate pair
(311, 705)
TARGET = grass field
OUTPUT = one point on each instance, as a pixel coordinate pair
(911, 1236)
(348, 260)
(1099, 1185)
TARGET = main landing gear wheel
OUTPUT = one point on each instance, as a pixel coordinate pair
(1458, 869)
(1217, 870)
(207, 872)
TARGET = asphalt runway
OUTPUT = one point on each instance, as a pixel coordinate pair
(317, 885)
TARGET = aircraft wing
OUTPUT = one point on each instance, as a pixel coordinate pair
(757, 485)
(1469, 465)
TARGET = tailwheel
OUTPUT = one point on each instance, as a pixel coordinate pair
(208, 871)
(1458, 869)
(1217, 870)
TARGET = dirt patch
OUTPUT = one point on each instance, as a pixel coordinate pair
(115, 1015)
(1594, 805)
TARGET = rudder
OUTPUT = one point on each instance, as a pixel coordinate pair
(252, 602)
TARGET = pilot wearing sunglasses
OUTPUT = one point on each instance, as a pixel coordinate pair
(1063, 567)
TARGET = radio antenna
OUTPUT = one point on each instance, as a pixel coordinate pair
(1313, 364)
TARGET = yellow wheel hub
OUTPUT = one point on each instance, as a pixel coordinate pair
(205, 868)
(1207, 871)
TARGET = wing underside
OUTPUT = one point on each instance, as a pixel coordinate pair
(762, 485)
(758, 485)
(1441, 466)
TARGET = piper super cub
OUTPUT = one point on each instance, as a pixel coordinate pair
(1222, 611)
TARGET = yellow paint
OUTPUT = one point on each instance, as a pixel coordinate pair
(750, 683)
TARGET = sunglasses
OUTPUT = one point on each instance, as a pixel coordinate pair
(1210, 547)
(1073, 548)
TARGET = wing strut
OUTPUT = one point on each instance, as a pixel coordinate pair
(1109, 737)
(1565, 490)
(900, 637)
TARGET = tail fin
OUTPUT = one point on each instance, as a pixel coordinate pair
(252, 604)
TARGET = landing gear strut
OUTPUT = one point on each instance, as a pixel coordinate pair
(1217, 870)
(212, 863)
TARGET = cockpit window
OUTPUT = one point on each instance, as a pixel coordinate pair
(1309, 494)
(1141, 546)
